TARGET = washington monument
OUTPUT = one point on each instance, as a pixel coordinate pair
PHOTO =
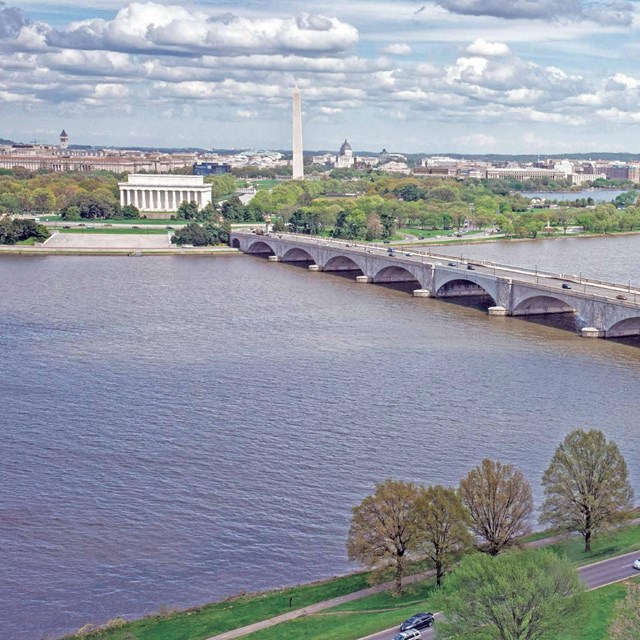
(298, 171)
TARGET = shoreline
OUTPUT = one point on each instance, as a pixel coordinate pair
(21, 250)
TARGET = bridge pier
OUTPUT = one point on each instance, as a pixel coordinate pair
(364, 279)
(315, 267)
(421, 293)
(275, 258)
(591, 332)
(497, 311)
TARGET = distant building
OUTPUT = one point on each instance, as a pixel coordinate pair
(210, 168)
(345, 159)
(524, 173)
(163, 193)
(64, 139)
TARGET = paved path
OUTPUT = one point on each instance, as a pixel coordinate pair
(594, 575)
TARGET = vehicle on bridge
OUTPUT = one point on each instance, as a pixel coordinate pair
(412, 634)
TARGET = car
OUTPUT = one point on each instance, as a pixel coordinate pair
(82, 224)
(621, 297)
(420, 620)
(387, 241)
(135, 226)
(636, 564)
(411, 634)
(452, 264)
(168, 227)
(566, 285)
(471, 267)
(420, 237)
(66, 226)
(408, 254)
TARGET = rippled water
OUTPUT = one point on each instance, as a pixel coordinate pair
(175, 429)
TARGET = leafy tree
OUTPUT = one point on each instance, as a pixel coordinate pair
(202, 235)
(382, 527)
(187, 210)
(233, 210)
(441, 527)
(625, 624)
(586, 485)
(499, 500)
(130, 212)
(520, 595)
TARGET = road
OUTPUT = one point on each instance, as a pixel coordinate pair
(594, 575)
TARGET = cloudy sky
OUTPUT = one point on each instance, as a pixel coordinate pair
(501, 76)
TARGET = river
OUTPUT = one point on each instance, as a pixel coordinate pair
(177, 429)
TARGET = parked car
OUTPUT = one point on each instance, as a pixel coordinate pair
(471, 267)
(566, 285)
(452, 264)
(387, 241)
(412, 634)
(636, 564)
(417, 621)
(621, 297)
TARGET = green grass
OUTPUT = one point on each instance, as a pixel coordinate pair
(27, 242)
(138, 221)
(114, 230)
(209, 620)
(265, 184)
(615, 543)
(425, 233)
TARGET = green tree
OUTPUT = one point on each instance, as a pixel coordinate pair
(382, 528)
(187, 210)
(233, 210)
(499, 500)
(625, 624)
(520, 595)
(586, 485)
(442, 523)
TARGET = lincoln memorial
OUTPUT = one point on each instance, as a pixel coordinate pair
(164, 192)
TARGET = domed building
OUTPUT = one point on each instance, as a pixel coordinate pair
(345, 159)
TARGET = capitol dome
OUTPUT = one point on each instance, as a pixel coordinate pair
(346, 147)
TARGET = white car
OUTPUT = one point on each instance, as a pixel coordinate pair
(636, 564)
(411, 634)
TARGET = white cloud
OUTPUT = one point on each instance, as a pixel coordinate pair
(480, 47)
(398, 49)
(477, 140)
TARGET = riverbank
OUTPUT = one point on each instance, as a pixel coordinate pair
(21, 250)
(357, 608)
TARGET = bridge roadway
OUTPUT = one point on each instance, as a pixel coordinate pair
(605, 310)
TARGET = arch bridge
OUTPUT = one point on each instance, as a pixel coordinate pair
(604, 310)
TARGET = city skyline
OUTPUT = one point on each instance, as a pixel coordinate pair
(462, 76)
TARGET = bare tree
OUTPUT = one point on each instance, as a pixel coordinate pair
(625, 624)
(382, 527)
(499, 500)
(441, 522)
(586, 485)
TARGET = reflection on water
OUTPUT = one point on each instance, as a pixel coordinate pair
(178, 429)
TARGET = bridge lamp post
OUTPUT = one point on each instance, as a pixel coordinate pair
(536, 274)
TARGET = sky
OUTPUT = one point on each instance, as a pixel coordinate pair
(457, 76)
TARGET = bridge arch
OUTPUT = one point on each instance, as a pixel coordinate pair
(458, 286)
(260, 247)
(343, 263)
(235, 243)
(623, 328)
(395, 273)
(542, 304)
(297, 254)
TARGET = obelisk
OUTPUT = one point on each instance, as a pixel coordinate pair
(298, 170)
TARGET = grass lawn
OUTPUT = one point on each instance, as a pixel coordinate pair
(425, 233)
(264, 184)
(615, 543)
(212, 619)
(115, 230)
(353, 619)
(27, 242)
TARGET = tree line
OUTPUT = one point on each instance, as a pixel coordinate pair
(586, 490)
